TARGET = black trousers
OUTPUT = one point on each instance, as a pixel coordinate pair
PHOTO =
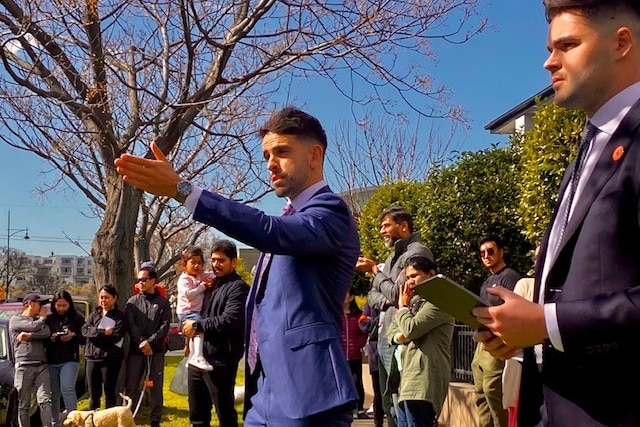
(356, 372)
(378, 411)
(212, 389)
(135, 373)
(99, 373)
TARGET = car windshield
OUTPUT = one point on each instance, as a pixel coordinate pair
(9, 309)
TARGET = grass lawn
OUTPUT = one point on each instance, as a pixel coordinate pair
(176, 407)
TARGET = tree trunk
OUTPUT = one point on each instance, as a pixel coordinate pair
(112, 248)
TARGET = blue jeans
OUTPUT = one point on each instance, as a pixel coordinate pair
(188, 315)
(416, 413)
(63, 383)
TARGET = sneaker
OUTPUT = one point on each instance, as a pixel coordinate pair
(370, 410)
(362, 415)
(201, 363)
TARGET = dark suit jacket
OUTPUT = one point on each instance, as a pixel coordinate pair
(595, 283)
(299, 306)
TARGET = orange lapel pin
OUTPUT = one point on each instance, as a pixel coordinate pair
(617, 153)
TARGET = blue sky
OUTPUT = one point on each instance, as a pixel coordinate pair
(488, 75)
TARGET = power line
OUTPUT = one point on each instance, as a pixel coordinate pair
(51, 239)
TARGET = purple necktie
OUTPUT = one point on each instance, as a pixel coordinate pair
(265, 262)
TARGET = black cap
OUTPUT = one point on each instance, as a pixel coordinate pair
(34, 297)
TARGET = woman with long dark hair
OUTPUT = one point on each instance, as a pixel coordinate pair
(63, 352)
(104, 331)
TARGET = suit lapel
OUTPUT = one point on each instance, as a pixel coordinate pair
(604, 168)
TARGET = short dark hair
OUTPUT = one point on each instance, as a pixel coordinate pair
(291, 121)
(191, 251)
(421, 263)
(151, 273)
(591, 9)
(491, 238)
(227, 247)
(398, 214)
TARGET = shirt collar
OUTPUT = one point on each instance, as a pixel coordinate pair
(304, 196)
(608, 117)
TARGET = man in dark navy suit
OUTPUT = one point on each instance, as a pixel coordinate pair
(297, 374)
(581, 333)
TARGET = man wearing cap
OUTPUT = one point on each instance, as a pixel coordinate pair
(148, 317)
(28, 333)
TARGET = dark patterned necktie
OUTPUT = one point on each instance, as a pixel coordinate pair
(265, 262)
(581, 158)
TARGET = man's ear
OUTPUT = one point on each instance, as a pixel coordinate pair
(626, 40)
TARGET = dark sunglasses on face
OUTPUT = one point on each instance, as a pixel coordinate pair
(142, 279)
(487, 252)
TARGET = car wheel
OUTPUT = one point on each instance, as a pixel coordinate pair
(12, 411)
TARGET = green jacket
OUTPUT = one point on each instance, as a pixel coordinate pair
(426, 360)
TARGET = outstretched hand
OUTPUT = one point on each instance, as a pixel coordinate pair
(155, 176)
(518, 322)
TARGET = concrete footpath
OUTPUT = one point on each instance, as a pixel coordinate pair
(458, 411)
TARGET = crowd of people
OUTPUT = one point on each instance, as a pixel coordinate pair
(47, 348)
(574, 332)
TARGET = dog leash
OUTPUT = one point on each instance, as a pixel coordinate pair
(147, 383)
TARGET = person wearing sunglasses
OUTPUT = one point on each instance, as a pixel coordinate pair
(148, 317)
(487, 369)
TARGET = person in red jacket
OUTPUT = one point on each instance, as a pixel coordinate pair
(353, 340)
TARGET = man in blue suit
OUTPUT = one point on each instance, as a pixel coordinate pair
(297, 374)
(582, 332)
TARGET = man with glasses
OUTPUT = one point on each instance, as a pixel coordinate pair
(148, 317)
(487, 370)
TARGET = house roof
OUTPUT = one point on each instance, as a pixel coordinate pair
(505, 124)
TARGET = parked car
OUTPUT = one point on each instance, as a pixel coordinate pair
(8, 393)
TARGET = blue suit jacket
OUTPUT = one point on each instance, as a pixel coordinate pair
(299, 306)
(595, 282)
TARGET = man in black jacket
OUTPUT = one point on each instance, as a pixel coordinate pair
(222, 325)
(148, 317)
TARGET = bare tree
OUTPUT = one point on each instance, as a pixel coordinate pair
(374, 152)
(85, 81)
(43, 283)
(15, 265)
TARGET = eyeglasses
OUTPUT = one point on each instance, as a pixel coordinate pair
(142, 279)
(487, 252)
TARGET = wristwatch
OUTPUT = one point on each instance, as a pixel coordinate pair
(183, 189)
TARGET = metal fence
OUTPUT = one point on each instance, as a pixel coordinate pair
(462, 349)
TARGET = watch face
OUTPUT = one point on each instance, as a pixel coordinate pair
(184, 188)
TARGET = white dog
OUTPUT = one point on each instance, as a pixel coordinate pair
(118, 416)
